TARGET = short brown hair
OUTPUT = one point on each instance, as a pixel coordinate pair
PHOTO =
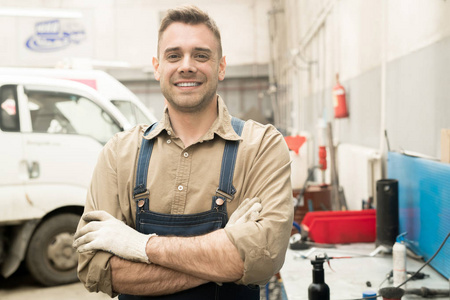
(192, 15)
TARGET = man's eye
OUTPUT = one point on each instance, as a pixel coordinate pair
(202, 56)
(172, 56)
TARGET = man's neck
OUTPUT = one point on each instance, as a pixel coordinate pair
(190, 127)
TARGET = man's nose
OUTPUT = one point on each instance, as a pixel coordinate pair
(187, 65)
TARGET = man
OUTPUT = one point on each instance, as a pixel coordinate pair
(177, 182)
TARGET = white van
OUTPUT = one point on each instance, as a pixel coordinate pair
(51, 132)
(119, 95)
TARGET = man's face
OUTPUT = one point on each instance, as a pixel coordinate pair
(189, 67)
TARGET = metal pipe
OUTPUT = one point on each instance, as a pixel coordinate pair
(383, 83)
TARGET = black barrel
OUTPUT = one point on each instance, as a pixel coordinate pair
(387, 212)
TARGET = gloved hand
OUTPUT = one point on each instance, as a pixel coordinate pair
(248, 211)
(104, 232)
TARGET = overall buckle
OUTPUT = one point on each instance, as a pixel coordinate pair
(141, 195)
(222, 194)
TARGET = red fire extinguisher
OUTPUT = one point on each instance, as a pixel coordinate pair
(340, 104)
(323, 158)
(323, 161)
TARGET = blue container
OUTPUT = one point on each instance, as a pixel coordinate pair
(369, 295)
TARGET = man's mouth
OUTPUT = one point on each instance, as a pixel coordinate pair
(187, 84)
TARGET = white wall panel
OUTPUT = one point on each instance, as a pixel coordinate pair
(7, 48)
(416, 24)
(126, 30)
(360, 36)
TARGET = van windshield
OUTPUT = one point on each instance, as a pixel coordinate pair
(65, 113)
(133, 113)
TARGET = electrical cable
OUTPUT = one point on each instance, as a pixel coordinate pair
(385, 278)
(420, 269)
(427, 262)
(387, 140)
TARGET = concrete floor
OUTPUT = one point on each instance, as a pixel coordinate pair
(349, 278)
(22, 286)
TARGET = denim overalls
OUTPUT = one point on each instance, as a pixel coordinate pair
(191, 224)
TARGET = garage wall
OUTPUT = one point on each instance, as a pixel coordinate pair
(120, 37)
(122, 30)
(392, 58)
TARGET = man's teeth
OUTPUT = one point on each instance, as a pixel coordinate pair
(188, 84)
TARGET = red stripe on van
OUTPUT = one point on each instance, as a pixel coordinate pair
(89, 82)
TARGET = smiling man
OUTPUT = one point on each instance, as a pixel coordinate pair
(196, 206)
(189, 67)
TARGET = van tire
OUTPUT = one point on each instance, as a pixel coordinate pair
(50, 257)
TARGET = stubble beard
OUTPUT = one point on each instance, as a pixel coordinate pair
(188, 103)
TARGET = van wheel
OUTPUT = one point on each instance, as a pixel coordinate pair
(50, 258)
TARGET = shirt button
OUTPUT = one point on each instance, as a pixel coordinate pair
(169, 132)
(180, 187)
(186, 154)
(169, 141)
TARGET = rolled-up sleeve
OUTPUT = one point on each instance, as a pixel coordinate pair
(263, 244)
(93, 267)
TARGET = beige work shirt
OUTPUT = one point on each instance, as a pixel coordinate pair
(184, 180)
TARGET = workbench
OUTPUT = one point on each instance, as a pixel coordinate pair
(351, 276)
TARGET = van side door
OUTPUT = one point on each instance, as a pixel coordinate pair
(12, 163)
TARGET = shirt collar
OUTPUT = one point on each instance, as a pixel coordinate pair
(221, 126)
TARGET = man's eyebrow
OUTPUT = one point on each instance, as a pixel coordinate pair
(196, 49)
(171, 49)
(203, 49)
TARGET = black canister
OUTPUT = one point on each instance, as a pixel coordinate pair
(318, 289)
(387, 212)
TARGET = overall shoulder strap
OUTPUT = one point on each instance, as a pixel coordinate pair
(226, 189)
(238, 125)
(143, 161)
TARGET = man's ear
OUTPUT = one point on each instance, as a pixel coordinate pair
(155, 63)
(222, 66)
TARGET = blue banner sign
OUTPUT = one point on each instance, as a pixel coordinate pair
(51, 36)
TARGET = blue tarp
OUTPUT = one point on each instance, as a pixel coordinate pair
(424, 206)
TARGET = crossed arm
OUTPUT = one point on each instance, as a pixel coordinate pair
(220, 263)
(164, 265)
(141, 279)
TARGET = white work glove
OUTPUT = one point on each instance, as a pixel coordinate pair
(104, 232)
(248, 210)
